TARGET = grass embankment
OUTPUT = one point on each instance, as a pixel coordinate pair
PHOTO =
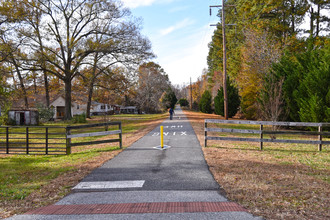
(284, 181)
(29, 181)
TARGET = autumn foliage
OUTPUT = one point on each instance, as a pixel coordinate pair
(272, 61)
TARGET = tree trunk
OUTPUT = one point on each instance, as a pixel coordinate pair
(293, 26)
(68, 113)
(21, 84)
(35, 83)
(90, 95)
(318, 20)
(91, 86)
(14, 80)
(312, 23)
(43, 67)
(46, 89)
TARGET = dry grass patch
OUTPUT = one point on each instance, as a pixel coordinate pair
(280, 182)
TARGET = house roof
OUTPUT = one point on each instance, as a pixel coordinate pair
(32, 101)
(98, 103)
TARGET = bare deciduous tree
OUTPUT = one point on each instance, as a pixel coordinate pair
(152, 82)
(271, 99)
(61, 35)
(259, 52)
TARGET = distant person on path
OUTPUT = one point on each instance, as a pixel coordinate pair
(171, 111)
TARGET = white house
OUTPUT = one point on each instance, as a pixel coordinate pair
(100, 108)
(59, 108)
(78, 109)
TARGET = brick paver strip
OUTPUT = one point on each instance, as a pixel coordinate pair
(122, 208)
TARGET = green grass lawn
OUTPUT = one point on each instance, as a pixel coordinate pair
(22, 174)
(57, 132)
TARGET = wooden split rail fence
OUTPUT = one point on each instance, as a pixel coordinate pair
(261, 131)
(75, 132)
(54, 140)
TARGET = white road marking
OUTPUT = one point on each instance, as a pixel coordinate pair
(164, 147)
(110, 184)
(156, 134)
(174, 126)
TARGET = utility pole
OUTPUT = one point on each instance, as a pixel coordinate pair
(190, 95)
(224, 60)
(185, 90)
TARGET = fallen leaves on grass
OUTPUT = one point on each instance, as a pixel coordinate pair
(267, 186)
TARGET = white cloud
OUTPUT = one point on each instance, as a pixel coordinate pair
(184, 23)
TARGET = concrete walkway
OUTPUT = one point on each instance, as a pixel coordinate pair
(143, 182)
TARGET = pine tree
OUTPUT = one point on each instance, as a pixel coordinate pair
(169, 99)
(233, 100)
(205, 104)
(306, 84)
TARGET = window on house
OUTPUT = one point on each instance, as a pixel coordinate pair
(77, 106)
(102, 106)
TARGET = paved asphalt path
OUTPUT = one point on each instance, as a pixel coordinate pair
(166, 184)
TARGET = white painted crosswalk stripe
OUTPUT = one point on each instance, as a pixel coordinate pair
(110, 184)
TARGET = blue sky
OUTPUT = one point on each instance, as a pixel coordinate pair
(179, 31)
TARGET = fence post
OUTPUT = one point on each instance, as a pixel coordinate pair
(27, 140)
(120, 136)
(7, 140)
(205, 136)
(261, 137)
(68, 141)
(320, 138)
(46, 140)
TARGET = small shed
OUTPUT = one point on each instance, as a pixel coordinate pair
(24, 117)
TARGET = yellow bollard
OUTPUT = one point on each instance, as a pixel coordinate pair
(161, 137)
